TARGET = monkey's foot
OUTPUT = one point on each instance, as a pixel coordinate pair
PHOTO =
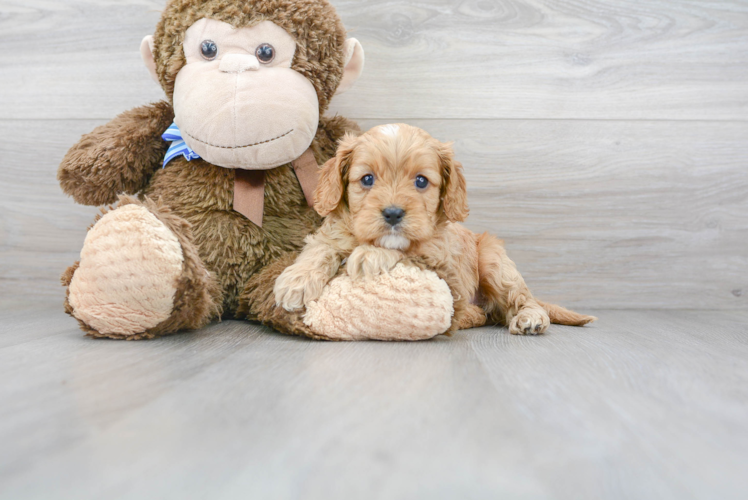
(406, 304)
(136, 279)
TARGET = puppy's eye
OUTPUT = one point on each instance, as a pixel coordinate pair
(367, 180)
(265, 53)
(209, 49)
(421, 182)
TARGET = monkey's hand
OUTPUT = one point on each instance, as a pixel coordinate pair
(118, 157)
(369, 261)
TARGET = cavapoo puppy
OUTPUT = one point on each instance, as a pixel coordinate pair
(396, 193)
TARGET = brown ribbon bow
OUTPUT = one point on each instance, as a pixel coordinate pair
(249, 186)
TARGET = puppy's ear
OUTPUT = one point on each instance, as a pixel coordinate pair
(331, 185)
(454, 189)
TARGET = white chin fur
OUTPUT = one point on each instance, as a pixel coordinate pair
(393, 242)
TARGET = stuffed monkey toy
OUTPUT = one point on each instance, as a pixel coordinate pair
(211, 191)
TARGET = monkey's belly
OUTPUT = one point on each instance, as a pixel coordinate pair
(235, 251)
(230, 245)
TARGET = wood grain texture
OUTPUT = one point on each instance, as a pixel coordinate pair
(596, 214)
(41, 230)
(603, 59)
(639, 405)
(75, 58)
(631, 59)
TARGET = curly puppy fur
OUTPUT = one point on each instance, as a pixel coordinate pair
(125, 157)
(417, 174)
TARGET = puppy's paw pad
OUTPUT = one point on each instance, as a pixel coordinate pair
(529, 322)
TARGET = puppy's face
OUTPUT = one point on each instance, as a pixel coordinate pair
(396, 182)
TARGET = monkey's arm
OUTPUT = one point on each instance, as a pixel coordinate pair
(118, 157)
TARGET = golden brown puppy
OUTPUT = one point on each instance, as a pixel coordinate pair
(396, 192)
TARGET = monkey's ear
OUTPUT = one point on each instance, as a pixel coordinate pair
(354, 64)
(146, 51)
(331, 185)
(454, 189)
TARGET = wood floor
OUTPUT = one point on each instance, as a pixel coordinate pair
(645, 404)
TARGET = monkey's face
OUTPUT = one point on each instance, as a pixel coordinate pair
(237, 101)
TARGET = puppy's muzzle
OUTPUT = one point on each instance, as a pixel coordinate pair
(393, 215)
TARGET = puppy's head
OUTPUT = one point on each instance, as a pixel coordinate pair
(397, 183)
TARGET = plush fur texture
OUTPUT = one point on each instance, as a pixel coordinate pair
(118, 157)
(147, 259)
(221, 249)
(314, 24)
(237, 112)
(403, 167)
(327, 318)
(403, 304)
(257, 302)
(196, 296)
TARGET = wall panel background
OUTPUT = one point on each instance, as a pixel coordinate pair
(606, 142)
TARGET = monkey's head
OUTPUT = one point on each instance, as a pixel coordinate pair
(249, 79)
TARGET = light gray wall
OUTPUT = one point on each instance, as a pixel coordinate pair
(606, 141)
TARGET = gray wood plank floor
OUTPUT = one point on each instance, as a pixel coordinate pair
(642, 404)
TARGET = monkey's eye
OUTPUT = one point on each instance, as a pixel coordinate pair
(367, 180)
(265, 53)
(421, 182)
(209, 49)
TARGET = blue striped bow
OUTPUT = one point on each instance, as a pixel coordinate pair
(178, 146)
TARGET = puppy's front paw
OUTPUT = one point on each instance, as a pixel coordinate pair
(369, 261)
(529, 321)
(296, 287)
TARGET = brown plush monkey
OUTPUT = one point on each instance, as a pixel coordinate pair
(247, 84)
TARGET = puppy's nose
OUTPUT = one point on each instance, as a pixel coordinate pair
(393, 215)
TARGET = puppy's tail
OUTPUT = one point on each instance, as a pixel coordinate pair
(562, 316)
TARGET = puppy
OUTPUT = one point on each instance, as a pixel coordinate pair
(396, 193)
